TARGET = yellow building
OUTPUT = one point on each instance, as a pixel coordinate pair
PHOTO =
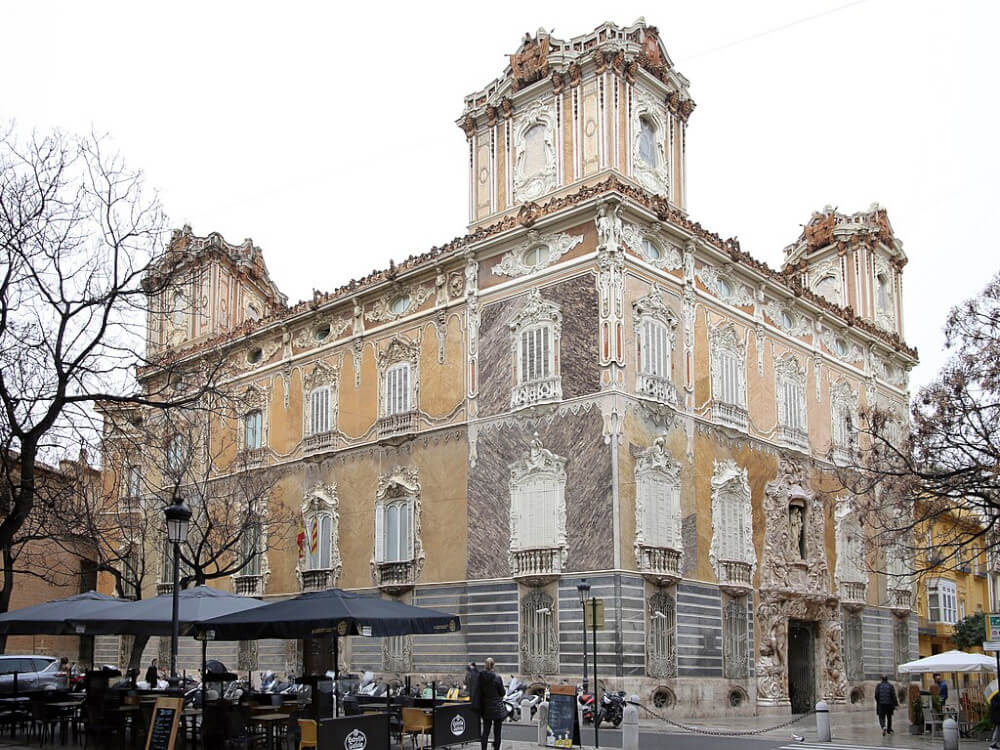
(588, 383)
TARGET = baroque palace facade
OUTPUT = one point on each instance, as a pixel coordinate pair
(587, 384)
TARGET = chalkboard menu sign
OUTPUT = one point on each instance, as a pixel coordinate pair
(163, 727)
(562, 728)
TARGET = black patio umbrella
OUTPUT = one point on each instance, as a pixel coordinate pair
(331, 612)
(51, 618)
(155, 616)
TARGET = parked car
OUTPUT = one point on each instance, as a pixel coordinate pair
(33, 673)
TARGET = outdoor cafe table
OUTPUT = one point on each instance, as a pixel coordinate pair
(269, 720)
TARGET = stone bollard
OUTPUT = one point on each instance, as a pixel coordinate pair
(949, 729)
(822, 722)
(630, 724)
(525, 710)
(543, 720)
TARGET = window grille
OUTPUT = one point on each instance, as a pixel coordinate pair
(661, 643)
(735, 636)
(539, 646)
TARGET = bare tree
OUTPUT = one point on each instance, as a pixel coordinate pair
(79, 236)
(943, 472)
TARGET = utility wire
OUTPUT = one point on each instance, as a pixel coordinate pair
(774, 30)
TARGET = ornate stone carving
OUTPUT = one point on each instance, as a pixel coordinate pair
(357, 349)
(611, 285)
(441, 332)
(658, 387)
(609, 226)
(840, 346)
(654, 177)
(456, 285)
(319, 501)
(309, 336)
(885, 314)
(825, 280)
(516, 261)
(786, 318)
(534, 180)
(794, 557)
(255, 355)
(731, 553)
(531, 61)
(669, 256)
(399, 576)
(539, 639)
(724, 285)
(382, 311)
(399, 350)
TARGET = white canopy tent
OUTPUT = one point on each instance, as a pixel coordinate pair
(950, 661)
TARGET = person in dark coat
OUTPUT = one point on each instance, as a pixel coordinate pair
(885, 704)
(489, 701)
(995, 719)
(472, 682)
(152, 675)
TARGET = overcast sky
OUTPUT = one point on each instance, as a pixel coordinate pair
(326, 133)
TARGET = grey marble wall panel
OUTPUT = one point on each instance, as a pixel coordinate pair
(576, 436)
(699, 631)
(876, 627)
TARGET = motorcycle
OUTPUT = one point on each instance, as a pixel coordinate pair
(512, 700)
(586, 701)
(612, 709)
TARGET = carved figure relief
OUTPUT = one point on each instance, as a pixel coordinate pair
(535, 154)
(531, 61)
(794, 556)
(536, 252)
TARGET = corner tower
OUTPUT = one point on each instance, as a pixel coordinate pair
(566, 113)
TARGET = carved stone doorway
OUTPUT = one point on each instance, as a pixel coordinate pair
(801, 665)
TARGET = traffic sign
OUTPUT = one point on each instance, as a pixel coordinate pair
(993, 627)
(589, 614)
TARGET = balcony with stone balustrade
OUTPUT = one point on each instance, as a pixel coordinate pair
(657, 388)
(900, 599)
(793, 437)
(536, 566)
(853, 594)
(735, 577)
(399, 425)
(249, 585)
(536, 392)
(254, 458)
(730, 415)
(317, 580)
(659, 565)
(395, 577)
(321, 442)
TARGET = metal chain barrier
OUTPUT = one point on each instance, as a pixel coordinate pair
(720, 732)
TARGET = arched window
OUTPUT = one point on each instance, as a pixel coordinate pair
(397, 530)
(535, 256)
(661, 639)
(647, 142)
(319, 538)
(829, 287)
(658, 489)
(534, 150)
(539, 643)
(535, 333)
(790, 386)
(728, 366)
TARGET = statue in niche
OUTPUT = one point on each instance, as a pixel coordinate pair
(609, 226)
(796, 535)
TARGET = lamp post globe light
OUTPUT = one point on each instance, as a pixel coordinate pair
(583, 589)
(178, 518)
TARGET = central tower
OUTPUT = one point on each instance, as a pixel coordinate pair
(566, 113)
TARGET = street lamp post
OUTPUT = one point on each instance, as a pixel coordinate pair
(178, 517)
(583, 589)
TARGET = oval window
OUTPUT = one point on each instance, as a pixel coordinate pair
(535, 256)
(400, 304)
(725, 288)
(255, 355)
(787, 321)
(321, 331)
(651, 251)
(252, 313)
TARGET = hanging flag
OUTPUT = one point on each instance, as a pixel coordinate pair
(314, 536)
(300, 540)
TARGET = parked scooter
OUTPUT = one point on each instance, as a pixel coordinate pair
(512, 700)
(612, 709)
(586, 701)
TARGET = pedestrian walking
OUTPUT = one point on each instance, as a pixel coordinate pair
(489, 700)
(471, 681)
(995, 719)
(885, 703)
(152, 675)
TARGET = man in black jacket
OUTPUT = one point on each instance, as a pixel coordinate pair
(885, 703)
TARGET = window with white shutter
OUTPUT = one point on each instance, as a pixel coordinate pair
(397, 389)
(319, 411)
(535, 336)
(728, 370)
(942, 601)
(654, 349)
(394, 530)
(536, 354)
